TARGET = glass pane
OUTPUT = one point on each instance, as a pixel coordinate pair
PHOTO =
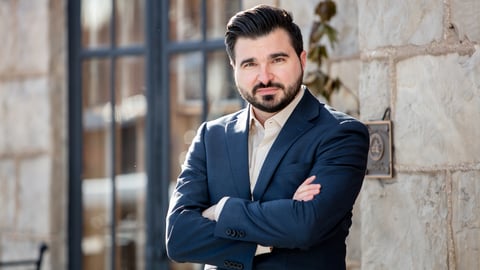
(184, 18)
(96, 185)
(219, 12)
(130, 217)
(222, 93)
(130, 85)
(185, 80)
(131, 177)
(96, 84)
(186, 105)
(129, 22)
(95, 22)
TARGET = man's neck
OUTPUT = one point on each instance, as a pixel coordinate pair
(262, 116)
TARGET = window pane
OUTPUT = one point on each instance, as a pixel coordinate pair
(186, 105)
(96, 186)
(130, 84)
(130, 216)
(186, 78)
(129, 22)
(131, 178)
(95, 22)
(184, 17)
(96, 83)
(223, 97)
(219, 12)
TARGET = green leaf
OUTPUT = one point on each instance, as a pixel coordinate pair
(331, 33)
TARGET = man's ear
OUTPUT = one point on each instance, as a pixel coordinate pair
(303, 59)
(232, 63)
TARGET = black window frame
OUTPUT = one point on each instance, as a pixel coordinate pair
(77, 54)
(157, 50)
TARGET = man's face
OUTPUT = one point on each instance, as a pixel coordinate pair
(268, 72)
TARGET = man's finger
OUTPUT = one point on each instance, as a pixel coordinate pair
(309, 180)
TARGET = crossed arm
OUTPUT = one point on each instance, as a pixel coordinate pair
(305, 192)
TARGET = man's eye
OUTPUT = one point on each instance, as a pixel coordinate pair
(247, 65)
(279, 60)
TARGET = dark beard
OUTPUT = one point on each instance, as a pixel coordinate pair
(290, 94)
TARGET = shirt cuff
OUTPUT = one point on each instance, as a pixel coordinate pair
(219, 207)
(262, 250)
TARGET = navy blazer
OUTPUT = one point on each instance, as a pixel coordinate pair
(315, 140)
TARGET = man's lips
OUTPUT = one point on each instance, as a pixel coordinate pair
(267, 91)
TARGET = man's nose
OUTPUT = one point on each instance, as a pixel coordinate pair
(264, 74)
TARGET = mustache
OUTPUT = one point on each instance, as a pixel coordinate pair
(269, 84)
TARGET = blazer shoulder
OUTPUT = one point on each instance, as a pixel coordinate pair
(223, 121)
(336, 117)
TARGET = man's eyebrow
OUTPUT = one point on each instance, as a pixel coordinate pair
(248, 60)
(280, 54)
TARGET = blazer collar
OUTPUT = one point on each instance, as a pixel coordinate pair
(237, 139)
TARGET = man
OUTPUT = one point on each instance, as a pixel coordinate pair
(248, 196)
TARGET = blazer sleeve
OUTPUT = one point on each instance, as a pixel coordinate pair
(190, 236)
(339, 166)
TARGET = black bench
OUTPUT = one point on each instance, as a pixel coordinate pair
(33, 262)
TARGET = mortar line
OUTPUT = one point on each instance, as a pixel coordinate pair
(451, 261)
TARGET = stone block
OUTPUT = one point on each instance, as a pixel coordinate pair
(18, 249)
(7, 194)
(24, 116)
(346, 23)
(346, 99)
(32, 36)
(354, 247)
(7, 26)
(34, 196)
(404, 223)
(374, 90)
(409, 22)
(466, 219)
(464, 15)
(303, 15)
(438, 104)
(251, 3)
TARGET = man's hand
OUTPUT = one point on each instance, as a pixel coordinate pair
(307, 191)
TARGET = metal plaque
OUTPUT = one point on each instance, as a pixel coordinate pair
(380, 153)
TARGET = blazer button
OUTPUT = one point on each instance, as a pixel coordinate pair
(229, 232)
(241, 234)
(233, 265)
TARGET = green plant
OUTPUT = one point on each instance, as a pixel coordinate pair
(317, 80)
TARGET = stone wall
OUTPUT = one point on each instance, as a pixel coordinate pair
(422, 60)
(33, 115)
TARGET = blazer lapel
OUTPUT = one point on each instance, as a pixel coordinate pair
(297, 124)
(237, 139)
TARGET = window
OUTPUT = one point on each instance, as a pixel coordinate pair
(200, 76)
(108, 116)
(143, 75)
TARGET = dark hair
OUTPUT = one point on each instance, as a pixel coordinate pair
(260, 21)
